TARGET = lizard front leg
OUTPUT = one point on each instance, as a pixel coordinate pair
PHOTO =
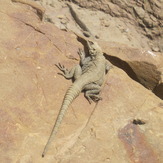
(83, 59)
(108, 66)
(74, 73)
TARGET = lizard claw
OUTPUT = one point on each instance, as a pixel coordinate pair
(96, 98)
(60, 74)
(89, 100)
(61, 67)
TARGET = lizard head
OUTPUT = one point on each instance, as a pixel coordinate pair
(94, 49)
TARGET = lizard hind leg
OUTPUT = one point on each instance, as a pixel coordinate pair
(92, 92)
(92, 95)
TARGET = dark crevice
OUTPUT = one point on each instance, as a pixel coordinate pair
(122, 65)
(158, 91)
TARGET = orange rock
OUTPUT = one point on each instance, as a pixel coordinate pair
(31, 93)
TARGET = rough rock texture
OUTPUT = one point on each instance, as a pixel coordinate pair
(126, 126)
(135, 23)
(147, 15)
(145, 67)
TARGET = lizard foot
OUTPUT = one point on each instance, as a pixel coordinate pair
(93, 97)
(88, 98)
(62, 68)
(96, 98)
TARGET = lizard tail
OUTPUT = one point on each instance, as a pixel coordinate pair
(70, 95)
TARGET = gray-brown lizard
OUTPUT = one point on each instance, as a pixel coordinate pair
(88, 76)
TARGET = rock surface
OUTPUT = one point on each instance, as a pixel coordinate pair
(147, 16)
(135, 23)
(124, 127)
(145, 67)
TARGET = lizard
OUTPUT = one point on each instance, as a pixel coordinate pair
(88, 77)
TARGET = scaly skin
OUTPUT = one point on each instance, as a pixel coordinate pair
(88, 79)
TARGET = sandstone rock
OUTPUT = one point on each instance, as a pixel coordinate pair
(155, 49)
(140, 12)
(142, 30)
(145, 67)
(143, 13)
(31, 93)
(39, 9)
